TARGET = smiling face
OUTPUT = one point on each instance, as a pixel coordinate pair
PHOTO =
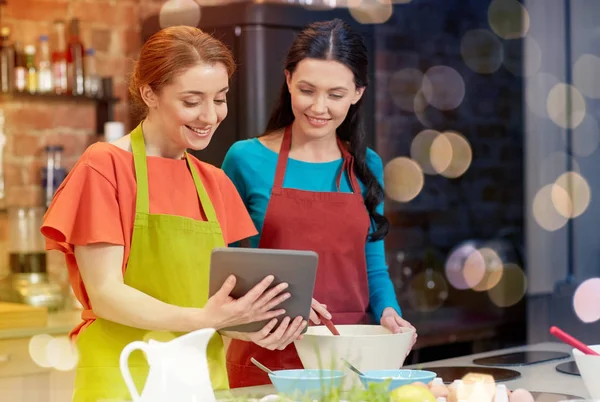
(191, 107)
(322, 92)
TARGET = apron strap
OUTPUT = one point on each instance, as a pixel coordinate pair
(142, 198)
(284, 151)
(207, 205)
(348, 167)
(138, 148)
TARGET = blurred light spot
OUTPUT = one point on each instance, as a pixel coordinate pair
(556, 164)
(545, 212)
(428, 291)
(62, 353)
(404, 86)
(455, 265)
(586, 137)
(492, 271)
(179, 12)
(317, 5)
(431, 150)
(508, 19)
(38, 345)
(577, 191)
(561, 201)
(160, 336)
(557, 106)
(511, 288)
(403, 179)
(474, 269)
(441, 153)
(443, 87)
(586, 71)
(420, 106)
(522, 57)
(461, 155)
(370, 11)
(586, 300)
(482, 51)
(538, 88)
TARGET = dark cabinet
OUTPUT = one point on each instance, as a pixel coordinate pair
(259, 34)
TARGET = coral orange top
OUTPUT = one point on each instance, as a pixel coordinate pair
(96, 204)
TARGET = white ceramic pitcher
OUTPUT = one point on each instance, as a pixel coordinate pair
(178, 369)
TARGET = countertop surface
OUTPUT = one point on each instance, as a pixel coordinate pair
(59, 323)
(541, 377)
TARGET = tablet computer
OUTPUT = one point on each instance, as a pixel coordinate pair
(297, 268)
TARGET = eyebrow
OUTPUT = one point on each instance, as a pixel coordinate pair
(202, 93)
(331, 89)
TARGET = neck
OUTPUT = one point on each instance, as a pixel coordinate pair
(157, 143)
(309, 149)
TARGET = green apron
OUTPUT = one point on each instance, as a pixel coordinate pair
(169, 260)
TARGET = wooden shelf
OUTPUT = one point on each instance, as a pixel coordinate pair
(56, 97)
(104, 105)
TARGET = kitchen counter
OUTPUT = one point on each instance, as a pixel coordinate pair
(59, 323)
(541, 377)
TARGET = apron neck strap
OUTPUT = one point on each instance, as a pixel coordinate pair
(142, 198)
(284, 151)
(205, 202)
(138, 148)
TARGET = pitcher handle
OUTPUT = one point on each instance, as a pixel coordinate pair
(124, 364)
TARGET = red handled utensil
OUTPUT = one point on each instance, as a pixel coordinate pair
(328, 324)
(568, 339)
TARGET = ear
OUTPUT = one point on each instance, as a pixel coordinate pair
(357, 95)
(288, 79)
(148, 96)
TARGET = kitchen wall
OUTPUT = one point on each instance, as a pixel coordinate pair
(110, 27)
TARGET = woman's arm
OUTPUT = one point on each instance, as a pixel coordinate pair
(381, 288)
(113, 300)
(382, 293)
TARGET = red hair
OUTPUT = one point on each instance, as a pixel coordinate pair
(170, 52)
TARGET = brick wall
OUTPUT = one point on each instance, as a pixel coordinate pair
(110, 27)
(489, 196)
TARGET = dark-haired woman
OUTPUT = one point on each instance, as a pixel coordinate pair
(310, 182)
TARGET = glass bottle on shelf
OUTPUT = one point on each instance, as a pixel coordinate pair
(59, 58)
(44, 66)
(92, 80)
(2, 144)
(20, 68)
(75, 55)
(32, 86)
(7, 62)
(53, 173)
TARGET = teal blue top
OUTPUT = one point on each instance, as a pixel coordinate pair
(251, 167)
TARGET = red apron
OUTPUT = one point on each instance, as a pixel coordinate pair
(333, 224)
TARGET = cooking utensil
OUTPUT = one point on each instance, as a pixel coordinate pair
(262, 367)
(568, 339)
(329, 325)
(351, 367)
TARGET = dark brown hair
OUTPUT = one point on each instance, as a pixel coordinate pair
(335, 40)
(171, 51)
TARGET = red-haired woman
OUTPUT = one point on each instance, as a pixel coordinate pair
(137, 220)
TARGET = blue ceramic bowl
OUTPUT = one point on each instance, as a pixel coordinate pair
(306, 382)
(399, 377)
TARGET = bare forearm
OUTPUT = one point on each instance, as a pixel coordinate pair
(128, 306)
